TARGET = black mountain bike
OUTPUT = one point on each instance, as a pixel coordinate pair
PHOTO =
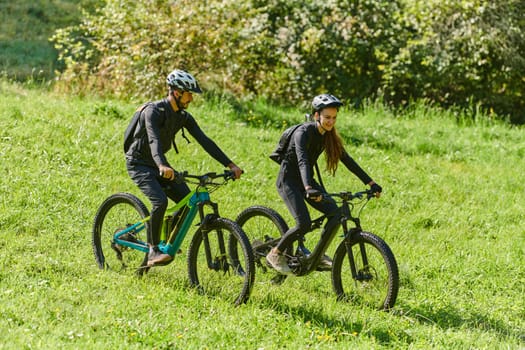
(364, 269)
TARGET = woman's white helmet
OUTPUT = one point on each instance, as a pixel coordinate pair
(184, 81)
(325, 100)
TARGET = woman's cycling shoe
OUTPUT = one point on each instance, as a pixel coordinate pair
(279, 263)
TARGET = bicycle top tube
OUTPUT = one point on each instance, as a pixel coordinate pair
(309, 262)
(344, 196)
(205, 184)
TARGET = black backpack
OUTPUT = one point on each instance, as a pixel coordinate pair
(279, 153)
(130, 130)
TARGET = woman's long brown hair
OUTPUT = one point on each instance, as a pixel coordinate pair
(333, 147)
(333, 150)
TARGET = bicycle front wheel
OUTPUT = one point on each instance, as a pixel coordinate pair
(220, 261)
(117, 212)
(365, 272)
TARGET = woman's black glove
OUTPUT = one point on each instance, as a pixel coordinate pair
(312, 193)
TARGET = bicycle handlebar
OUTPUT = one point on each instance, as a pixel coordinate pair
(227, 175)
(206, 178)
(348, 196)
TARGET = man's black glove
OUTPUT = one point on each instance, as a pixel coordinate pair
(375, 188)
(313, 193)
(178, 178)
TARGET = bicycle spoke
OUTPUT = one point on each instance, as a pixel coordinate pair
(118, 212)
(366, 273)
(220, 262)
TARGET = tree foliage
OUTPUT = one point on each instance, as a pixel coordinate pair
(455, 53)
(462, 53)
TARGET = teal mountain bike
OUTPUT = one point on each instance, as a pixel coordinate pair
(220, 258)
(364, 270)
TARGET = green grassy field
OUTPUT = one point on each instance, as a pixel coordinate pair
(452, 211)
(25, 29)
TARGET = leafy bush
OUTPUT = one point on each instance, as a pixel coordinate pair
(298, 49)
(462, 53)
(455, 53)
(127, 47)
(284, 49)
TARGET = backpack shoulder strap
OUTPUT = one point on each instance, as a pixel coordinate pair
(319, 175)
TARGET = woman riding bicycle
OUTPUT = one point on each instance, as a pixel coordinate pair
(153, 136)
(295, 182)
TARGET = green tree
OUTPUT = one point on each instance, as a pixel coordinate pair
(462, 53)
(127, 47)
(467, 53)
(298, 49)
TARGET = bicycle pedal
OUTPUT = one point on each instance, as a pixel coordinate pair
(323, 268)
(278, 279)
(117, 250)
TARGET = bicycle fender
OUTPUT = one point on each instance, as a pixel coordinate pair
(208, 219)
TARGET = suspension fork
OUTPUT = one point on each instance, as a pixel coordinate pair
(218, 262)
(348, 245)
(362, 248)
(348, 234)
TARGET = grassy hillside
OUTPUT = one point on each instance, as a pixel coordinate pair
(452, 211)
(25, 27)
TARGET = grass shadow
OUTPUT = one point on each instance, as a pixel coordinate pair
(450, 317)
(337, 328)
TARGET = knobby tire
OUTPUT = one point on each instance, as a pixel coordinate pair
(220, 261)
(260, 224)
(378, 282)
(116, 213)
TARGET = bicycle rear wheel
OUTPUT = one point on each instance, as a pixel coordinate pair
(116, 213)
(376, 280)
(220, 261)
(262, 224)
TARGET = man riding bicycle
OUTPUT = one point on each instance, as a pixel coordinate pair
(152, 137)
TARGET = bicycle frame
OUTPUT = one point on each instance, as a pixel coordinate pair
(363, 268)
(305, 264)
(309, 263)
(190, 205)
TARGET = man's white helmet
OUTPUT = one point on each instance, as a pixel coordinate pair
(184, 81)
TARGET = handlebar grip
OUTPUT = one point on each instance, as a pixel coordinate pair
(230, 174)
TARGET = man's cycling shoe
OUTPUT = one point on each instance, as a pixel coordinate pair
(158, 258)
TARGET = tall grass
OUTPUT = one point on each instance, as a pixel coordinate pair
(25, 29)
(452, 212)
